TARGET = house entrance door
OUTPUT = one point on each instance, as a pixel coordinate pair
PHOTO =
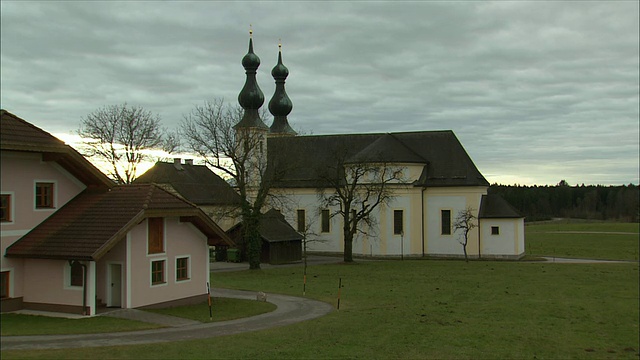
(115, 288)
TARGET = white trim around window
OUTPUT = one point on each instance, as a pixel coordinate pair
(165, 272)
(54, 198)
(12, 207)
(66, 278)
(175, 273)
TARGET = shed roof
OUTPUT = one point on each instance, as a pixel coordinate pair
(196, 183)
(494, 206)
(273, 227)
(94, 221)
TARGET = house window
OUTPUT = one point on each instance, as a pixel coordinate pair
(398, 222)
(445, 216)
(44, 195)
(325, 221)
(76, 274)
(5, 208)
(495, 230)
(156, 235)
(182, 268)
(157, 272)
(302, 221)
(4, 284)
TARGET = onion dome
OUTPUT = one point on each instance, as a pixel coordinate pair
(251, 97)
(280, 105)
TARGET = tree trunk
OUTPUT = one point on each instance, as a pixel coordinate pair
(348, 246)
(254, 243)
(464, 248)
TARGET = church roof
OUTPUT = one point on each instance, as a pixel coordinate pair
(308, 158)
(495, 206)
(196, 183)
(386, 149)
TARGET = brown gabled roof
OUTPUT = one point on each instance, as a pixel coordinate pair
(273, 227)
(307, 158)
(17, 134)
(494, 206)
(196, 183)
(93, 222)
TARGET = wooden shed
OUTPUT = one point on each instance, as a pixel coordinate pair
(281, 243)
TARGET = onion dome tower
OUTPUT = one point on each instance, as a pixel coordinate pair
(251, 97)
(280, 105)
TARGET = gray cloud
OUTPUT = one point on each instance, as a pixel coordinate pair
(536, 91)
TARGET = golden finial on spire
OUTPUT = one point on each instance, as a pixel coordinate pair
(250, 31)
(280, 44)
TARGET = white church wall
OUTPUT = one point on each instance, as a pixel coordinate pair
(509, 242)
(455, 200)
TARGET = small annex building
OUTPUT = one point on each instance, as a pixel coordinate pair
(281, 243)
(73, 241)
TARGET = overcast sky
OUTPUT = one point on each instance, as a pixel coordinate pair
(537, 92)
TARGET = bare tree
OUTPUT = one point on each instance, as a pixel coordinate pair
(122, 135)
(355, 190)
(465, 222)
(209, 131)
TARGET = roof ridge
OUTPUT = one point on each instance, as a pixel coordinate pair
(393, 135)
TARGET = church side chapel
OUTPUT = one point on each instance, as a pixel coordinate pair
(430, 181)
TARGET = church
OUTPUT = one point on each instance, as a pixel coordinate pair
(434, 181)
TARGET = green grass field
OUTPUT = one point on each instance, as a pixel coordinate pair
(416, 309)
(602, 240)
(429, 309)
(225, 309)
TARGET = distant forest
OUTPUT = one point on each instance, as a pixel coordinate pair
(594, 202)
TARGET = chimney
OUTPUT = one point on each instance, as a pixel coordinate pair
(188, 161)
(176, 163)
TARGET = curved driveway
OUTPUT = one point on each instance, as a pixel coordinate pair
(290, 310)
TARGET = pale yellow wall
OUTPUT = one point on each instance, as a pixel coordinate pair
(510, 241)
(454, 199)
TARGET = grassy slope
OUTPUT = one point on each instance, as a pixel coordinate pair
(592, 240)
(427, 309)
(222, 309)
(18, 324)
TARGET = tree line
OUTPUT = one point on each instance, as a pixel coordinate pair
(593, 202)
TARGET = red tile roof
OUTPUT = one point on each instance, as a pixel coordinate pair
(93, 222)
(17, 134)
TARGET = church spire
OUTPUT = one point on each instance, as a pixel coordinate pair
(251, 97)
(280, 105)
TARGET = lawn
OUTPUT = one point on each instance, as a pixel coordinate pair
(602, 240)
(19, 324)
(428, 309)
(223, 309)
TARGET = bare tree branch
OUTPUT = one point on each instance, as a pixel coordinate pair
(121, 135)
(465, 222)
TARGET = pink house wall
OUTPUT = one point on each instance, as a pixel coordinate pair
(20, 172)
(52, 288)
(117, 255)
(181, 239)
